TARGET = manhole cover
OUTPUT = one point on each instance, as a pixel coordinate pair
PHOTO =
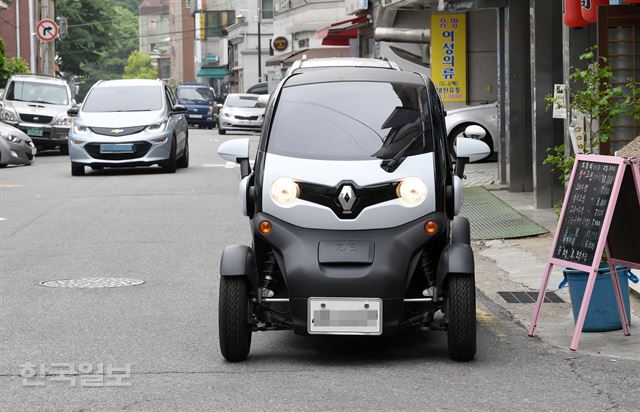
(92, 283)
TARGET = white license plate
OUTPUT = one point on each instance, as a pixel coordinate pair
(195, 116)
(344, 316)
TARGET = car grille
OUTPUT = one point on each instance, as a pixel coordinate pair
(117, 131)
(35, 118)
(139, 150)
(246, 117)
(365, 196)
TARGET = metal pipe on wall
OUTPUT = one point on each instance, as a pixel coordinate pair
(18, 54)
(32, 40)
(400, 35)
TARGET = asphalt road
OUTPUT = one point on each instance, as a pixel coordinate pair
(169, 230)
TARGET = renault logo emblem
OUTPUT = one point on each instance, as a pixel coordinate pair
(117, 131)
(347, 198)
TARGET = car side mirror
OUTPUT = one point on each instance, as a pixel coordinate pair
(469, 150)
(219, 105)
(475, 131)
(178, 109)
(73, 111)
(237, 151)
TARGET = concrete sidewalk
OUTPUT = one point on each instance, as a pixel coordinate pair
(519, 264)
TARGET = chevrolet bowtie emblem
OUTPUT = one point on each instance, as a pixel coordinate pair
(117, 131)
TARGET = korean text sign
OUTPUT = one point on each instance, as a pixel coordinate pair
(449, 56)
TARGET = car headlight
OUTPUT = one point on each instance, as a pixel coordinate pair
(10, 137)
(226, 114)
(284, 191)
(8, 115)
(157, 127)
(412, 191)
(80, 129)
(64, 121)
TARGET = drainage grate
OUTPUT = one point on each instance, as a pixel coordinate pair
(529, 297)
(92, 283)
(491, 218)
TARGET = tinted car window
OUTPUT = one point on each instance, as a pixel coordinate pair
(37, 92)
(194, 95)
(351, 121)
(124, 99)
(243, 101)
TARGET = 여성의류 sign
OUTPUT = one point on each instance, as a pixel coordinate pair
(449, 56)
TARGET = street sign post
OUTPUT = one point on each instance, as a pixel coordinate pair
(47, 30)
(600, 212)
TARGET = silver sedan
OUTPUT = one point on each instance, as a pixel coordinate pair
(243, 112)
(484, 116)
(16, 148)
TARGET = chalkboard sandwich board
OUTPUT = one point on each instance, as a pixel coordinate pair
(601, 212)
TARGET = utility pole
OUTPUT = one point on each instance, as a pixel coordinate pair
(18, 29)
(47, 49)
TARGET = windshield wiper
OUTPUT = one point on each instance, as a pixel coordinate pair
(390, 165)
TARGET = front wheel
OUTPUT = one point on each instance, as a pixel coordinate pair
(184, 159)
(171, 164)
(234, 317)
(221, 131)
(461, 313)
(64, 148)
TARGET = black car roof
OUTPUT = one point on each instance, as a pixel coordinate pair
(341, 74)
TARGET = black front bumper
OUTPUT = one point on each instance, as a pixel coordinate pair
(397, 252)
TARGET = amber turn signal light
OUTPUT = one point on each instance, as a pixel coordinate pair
(431, 227)
(265, 227)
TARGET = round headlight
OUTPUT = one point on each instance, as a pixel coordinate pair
(412, 191)
(284, 191)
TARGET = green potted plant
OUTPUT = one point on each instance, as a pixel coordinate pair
(595, 102)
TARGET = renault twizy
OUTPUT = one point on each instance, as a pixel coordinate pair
(352, 203)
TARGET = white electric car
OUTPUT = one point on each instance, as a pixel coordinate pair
(352, 206)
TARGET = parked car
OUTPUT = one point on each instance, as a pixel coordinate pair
(16, 148)
(484, 116)
(200, 101)
(124, 123)
(352, 207)
(242, 112)
(259, 88)
(38, 106)
(304, 64)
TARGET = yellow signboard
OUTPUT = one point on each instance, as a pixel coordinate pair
(202, 34)
(449, 56)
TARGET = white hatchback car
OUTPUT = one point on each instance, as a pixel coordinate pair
(484, 115)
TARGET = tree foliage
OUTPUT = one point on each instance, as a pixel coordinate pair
(139, 67)
(9, 67)
(102, 34)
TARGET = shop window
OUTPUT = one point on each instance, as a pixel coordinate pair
(267, 9)
(218, 20)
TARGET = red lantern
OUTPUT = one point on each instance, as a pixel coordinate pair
(571, 14)
(590, 9)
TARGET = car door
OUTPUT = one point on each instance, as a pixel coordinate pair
(178, 121)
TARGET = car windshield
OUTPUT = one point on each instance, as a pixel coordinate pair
(351, 121)
(123, 99)
(37, 92)
(239, 100)
(194, 95)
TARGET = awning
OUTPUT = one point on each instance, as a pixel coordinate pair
(287, 59)
(213, 72)
(338, 34)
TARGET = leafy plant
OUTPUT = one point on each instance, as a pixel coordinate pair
(10, 67)
(139, 66)
(592, 92)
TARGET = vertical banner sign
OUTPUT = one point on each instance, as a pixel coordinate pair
(449, 56)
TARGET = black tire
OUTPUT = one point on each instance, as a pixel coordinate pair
(184, 159)
(64, 148)
(77, 169)
(488, 139)
(461, 314)
(221, 131)
(171, 165)
(233, 318)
